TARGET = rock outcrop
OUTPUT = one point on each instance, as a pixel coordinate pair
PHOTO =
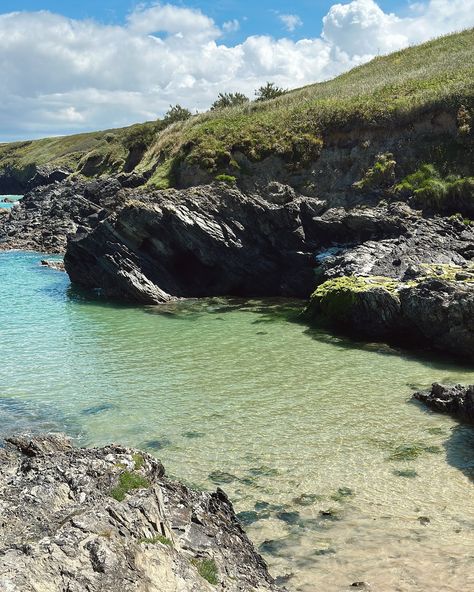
(456, 400)
(204, 241)
(47, 215)
(90, 520)
(384, 272)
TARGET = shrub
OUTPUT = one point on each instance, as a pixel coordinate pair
(269, 91)
(207, 569)
(431, 191)
(381, 175)
(176, 113)
(229, 100)
(229, 179)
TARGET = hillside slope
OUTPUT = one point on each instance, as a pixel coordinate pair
(416, 104)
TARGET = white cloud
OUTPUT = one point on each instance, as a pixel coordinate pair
(61, 75)
(291, 21)
(231, 26)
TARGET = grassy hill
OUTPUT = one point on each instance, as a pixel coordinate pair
(391, 95)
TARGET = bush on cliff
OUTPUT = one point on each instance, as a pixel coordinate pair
(431, 191)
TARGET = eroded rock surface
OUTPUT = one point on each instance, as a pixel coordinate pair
(63, 530)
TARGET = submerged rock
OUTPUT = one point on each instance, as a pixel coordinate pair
(456, 400)
(56, 265)
(109, 519)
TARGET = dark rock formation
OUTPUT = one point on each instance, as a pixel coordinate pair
(427, 312)
(17, 180)
(45, 216)
(456, 400)
(90, 520)
(392, 241)
(205, 241)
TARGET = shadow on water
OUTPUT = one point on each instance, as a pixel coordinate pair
(270, 311)
(460, 449)
(459, 446)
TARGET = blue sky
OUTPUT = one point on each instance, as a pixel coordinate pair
(68, 70)
(255, 17)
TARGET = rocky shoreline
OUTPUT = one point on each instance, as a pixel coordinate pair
(109, 519)
(384, 272)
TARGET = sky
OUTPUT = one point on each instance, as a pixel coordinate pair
(83, 65)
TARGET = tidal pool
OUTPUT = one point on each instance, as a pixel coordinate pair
(339, 477)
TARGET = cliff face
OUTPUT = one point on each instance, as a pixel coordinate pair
(108, 519)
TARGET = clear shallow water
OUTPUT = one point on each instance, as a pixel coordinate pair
(7, 205)
(238, 394)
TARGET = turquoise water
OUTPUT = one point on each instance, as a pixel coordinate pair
(290, 422)
(6, 205)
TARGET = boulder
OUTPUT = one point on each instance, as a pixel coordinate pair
(456, 400)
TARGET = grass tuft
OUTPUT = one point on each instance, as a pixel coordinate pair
(128, 481)
(207, 569)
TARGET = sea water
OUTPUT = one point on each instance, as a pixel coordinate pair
(338, 475)
(8, 204)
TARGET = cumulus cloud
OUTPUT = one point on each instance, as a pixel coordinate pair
(61, 75)
(291, 21)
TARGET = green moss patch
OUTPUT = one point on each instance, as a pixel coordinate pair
(207, 569)
(128, 481)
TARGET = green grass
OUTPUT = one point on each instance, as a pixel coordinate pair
(159, 538)
(128, 481)
(138, 460)
(207, 569)
(433, 191)
(387, 92)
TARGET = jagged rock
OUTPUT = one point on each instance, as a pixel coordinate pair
(64, 528)
(47, 215)
(204, 241)
(393, 241)
(457, 400)
(46, 176)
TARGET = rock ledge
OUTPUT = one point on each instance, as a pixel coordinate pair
(63, 527)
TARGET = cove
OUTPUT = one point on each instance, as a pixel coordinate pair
(338, 476)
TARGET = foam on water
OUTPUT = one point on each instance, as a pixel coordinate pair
(306, 432)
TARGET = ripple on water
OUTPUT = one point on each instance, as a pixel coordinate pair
(339, 477)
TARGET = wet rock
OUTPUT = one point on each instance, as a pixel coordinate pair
(288, 517)
(456, 400)
(307, 499)
(62, 529)
(220, 477)
(408, 473)
(56, 265)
